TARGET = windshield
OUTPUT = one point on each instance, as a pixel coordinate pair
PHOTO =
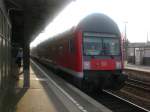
(111, 46)
(92, 46)
(101, 46)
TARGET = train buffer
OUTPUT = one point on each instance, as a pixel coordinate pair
(50, 93)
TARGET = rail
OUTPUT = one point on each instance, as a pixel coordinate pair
(138, 84)
(125, 103)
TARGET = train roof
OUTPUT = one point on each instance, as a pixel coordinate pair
(98, 23)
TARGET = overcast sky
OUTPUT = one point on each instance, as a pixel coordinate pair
(134, 12)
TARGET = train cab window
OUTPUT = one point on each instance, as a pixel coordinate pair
(92, 45)
(111, 46)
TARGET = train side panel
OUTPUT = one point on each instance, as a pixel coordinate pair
(64, 52)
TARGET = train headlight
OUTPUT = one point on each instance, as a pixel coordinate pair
(118, 65)
(86, 65)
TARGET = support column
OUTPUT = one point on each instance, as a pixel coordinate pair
(26, 65)
(134, 55)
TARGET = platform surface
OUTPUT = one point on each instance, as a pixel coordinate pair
(50, 95)
(137, 67)
(35, 99)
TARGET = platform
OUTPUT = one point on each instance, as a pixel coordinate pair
(138, 67)
(50, 93)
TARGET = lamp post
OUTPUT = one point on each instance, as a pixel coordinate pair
(126, 41)
(147, 37)
(125, 30)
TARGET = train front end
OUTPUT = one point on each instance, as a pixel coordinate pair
(102, 60)
(102, 53)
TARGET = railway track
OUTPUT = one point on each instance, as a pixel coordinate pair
(138, 84)
(116, 103)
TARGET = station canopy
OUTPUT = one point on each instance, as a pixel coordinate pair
(30, 17)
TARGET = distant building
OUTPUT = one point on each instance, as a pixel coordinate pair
(139, 53)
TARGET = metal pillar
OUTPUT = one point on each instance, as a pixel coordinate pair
(134, 56)
(26, 65)
(26, 48)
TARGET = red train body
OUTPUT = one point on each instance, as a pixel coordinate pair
(91, 52)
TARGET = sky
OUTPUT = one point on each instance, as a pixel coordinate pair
(134, 13)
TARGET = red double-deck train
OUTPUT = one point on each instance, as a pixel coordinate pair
(91, 52)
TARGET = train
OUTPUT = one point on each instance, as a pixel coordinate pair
(91, 52)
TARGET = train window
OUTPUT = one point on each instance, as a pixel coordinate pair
(111, 46)
(71, 46)
(92, 45)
